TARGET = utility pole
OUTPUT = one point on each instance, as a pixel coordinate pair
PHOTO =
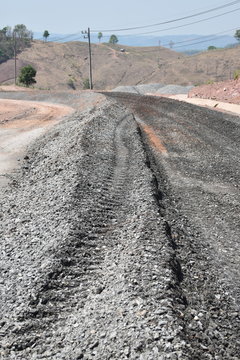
(15, 57)
(159, 44)
(87, 35)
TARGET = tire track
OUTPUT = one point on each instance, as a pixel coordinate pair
(209, 314)
(107, 291)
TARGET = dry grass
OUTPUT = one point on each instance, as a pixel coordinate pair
(58, 65)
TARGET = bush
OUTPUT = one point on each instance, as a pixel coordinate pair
(210, 82)
(86, 84)
(236, 74)
(212, 48)
(27, 75)
(71, 84)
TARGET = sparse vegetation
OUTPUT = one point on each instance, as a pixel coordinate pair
(27, 76)
(113, 39)
(100, 35)
(71, 84)
(212, 47)
(237, 35)
(86, 84)
(70, 60)
(20, 37)
(209, 82)
(236, 74)
(46, 35)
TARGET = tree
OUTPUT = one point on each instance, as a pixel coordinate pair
(23, 36)
(21, 32)
(10, 40)
(113, 39)
(100, 35)
(27, 75)
(3, 32)
(212, 47)
(46, 35)
(86, 84)
(237, 35)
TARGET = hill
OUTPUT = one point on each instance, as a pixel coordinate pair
(65, 65)
(184, 42)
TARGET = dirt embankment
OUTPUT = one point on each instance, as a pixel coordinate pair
(226, 91)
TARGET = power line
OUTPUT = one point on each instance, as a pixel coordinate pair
(199, 42)
(171, 21)
(150, 32)
(213, 36)
(62, 38)
(183, 25)
(66, 37)
(196, 40)
(192, 23)
(77, 37)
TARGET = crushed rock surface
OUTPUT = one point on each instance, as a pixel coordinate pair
(98, 258)
(155, 89)
(84, 255)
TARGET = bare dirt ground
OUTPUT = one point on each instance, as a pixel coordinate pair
(225, 91)
(222, 96)
(21, 122)
(212, 104)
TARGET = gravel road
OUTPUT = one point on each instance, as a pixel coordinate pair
(120, 235)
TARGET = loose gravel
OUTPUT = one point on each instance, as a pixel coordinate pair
(99, 258)
(85, 259)
(154, 89)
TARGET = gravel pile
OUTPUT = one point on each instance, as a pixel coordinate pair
(194, 155)
(102, 256)
(174, 89)
(86, 264)
(131, 89)
(154, 89)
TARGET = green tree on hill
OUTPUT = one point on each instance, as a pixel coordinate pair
(23, 36)
(19, 37)
(46, 35)
(237, 35)
(100, 35)
(113, 39)
(27, 75)
(212, 47)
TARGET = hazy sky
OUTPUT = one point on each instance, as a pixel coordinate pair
(72, 16)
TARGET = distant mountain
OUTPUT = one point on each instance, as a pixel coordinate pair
(179, 43)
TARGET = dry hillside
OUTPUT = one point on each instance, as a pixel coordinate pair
(60, 65)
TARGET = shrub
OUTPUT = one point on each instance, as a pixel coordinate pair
(212, 47)
(236, 74)
(27, 75)
(86, 84)
(209, 82)
(71, 84)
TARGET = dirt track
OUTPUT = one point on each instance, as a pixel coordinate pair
(20, 123)
(120, 236)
